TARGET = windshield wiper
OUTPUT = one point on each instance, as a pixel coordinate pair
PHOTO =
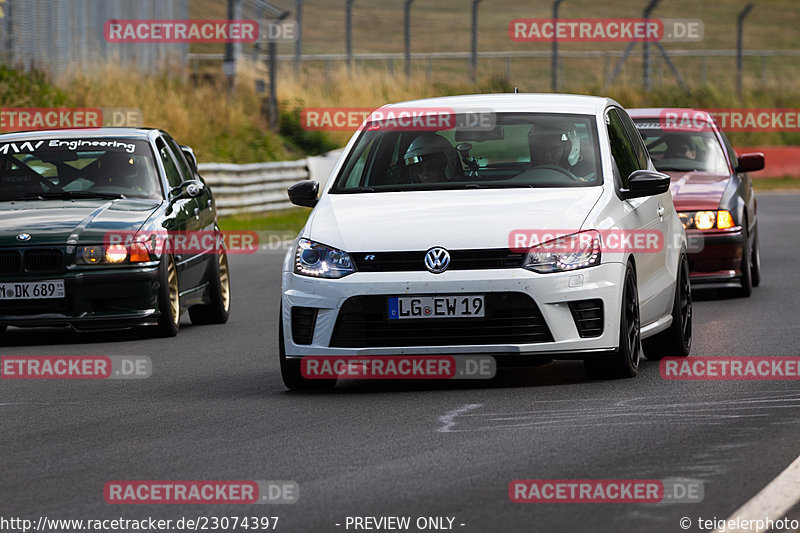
(497, 185)
(673, 169)
(348, 190)
(69, 195)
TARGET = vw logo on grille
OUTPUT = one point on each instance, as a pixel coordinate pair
(24, 237)
(437, 260)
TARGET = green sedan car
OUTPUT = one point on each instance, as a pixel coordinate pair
(93, 232)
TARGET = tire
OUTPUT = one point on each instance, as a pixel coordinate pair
(755, 261)
(169, 299)
(290, 368)
(677, 340)
(747, 274)
(3, 329)
(624, 362)
(217, 310)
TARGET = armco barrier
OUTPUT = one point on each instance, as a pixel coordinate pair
(254, 187)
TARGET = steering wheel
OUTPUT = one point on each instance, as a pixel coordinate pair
(564, 171)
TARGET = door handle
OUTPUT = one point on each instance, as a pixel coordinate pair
(660, 211)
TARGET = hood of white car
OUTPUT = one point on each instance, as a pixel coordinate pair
(464, 219)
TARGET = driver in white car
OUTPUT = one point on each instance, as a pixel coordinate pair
(430, 158)
(556, 143)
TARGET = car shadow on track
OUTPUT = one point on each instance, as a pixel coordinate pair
(66, 335)
(705, 295)
(552, 374)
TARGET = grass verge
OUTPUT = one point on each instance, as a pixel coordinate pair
(286, 220)
(776, 184)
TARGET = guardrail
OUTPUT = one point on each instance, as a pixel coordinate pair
(252, 188)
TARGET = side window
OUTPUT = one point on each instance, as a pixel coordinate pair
(731, 152)
(621, 150)
(355, 171)
(636, 139)
(173, 174)
(180, 158)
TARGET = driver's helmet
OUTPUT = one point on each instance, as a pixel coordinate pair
(118, 169)
(431, 158)
(554, 141)
(678, 148)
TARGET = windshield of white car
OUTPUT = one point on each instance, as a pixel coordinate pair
(515, 150)
(37, 169)
(682, 151)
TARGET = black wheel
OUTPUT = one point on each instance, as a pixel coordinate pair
(755, 261)
(217, 310)
(169, 300)
(290, 368)
(677, 340)
(747, 273)
(624, 362)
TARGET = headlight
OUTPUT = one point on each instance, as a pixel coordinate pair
(116, 253)
(706, 219)
(91, 255)
(112, 254)
(320, 261)
(571, 252)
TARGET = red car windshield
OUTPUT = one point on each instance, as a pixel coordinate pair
(682, 150)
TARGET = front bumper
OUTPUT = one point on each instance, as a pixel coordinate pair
(718, 264)
(95, 299)
(550, 292)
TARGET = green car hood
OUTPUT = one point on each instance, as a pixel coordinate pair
(55, 221)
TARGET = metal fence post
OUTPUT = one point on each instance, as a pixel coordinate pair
(474, 63)
(348, 23)
(231, 49)
(739, 23)
(646, 46)
(298, 45)
(407, 24)
(554, 66)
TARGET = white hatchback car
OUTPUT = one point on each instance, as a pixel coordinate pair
(529, 227)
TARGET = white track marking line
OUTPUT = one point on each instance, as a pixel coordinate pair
(774, 500)
(449, 419)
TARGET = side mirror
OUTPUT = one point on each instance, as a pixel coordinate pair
(187, 189)
(646, 183)
(188, 153)
(304, 193)
(750, 162)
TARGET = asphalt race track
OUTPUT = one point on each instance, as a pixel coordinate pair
(215, 408)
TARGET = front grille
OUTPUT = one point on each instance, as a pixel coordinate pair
(511, 318)
(10, 261)
(43, 260)
(459, 260)
(303, 321)
(588, 316)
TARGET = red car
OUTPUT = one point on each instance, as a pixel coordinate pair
(713, 195)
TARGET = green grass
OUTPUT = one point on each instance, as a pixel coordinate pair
(776, 184)
(288, 221)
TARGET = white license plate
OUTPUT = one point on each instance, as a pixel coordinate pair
(461, 306)
(32, 290)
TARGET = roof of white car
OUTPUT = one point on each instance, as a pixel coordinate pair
(515, 102)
